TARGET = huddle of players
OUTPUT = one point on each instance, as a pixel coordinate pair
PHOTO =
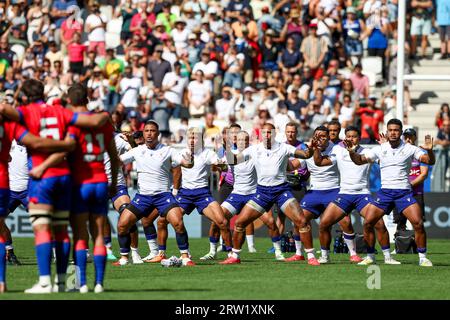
(259, 173)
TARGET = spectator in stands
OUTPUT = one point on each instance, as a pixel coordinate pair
(199, 95)
(173, 86)
(420, 24)
(225, 107)
(158, 67)
(129, 87)
(443, 21)
(69, 27)
(360, 82)
(291, 59)
(77, 52)
(96, 29)
(371, 119)
(314, 50)
(443, 136)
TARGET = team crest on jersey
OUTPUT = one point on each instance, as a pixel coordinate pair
(304, 203)
(408, 199)
(285, 194)
(366, 198)
(207, 199)
(338, 200)
(168, 200)
(231, 198)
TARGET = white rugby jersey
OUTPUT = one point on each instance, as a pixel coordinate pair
(323, 178)
(354, 178)
(245, 179)
(18, 168)
(153, 167)
(122, 146)
(197, 176)
(395, 164)
(270, 164)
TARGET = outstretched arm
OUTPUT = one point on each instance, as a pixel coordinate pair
(47, 145)
(320, 160)
(357, 158)
(10, 112)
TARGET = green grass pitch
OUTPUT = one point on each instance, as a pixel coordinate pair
(259, 276)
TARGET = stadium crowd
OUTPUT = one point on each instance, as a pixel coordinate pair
(273, 65)
(258, 61)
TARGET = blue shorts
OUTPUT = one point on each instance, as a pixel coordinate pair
(316, 201)
(90, 198)
(235, 202)
(121, 191)
(191, 199)
(143, 205)
(18, 198)
(4, 202)
(349, 202)
(266, 197)
(54, 191)
(387, 199)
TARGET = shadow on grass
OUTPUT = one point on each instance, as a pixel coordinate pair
(158, 290)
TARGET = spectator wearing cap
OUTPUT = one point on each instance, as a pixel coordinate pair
(248, 106)
(69, 27)
(129, 88)
(215, 22)
(443, 135)
(198, 95)
(180, 35)
(197, 7)
(352, 28)
(294, 28)
(371, 120)
(269, 51)
(158, 67)
(173, 86)
(360, 81)
(233, 64)
(127, 11)
(166, 17)
(77, 52)
(135, 122)
(142, 20)
(188, 16)
(210, 70)
(291, 60)
(225, 106)
(314, 50)
(96, 29)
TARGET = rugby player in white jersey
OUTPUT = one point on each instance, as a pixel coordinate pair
(354, 194)
(194, 192)
(18, 186)
(154, 162)
(323, 188)
(244, 188)
(271, 160)
(395, 158)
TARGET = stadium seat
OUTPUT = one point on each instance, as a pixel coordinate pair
(114, 26)
(372, 77)
(373, 65)
(107, 11)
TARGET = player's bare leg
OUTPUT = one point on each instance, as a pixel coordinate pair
(40, 216)
(214, 213)
(150, 235)
(81, 242)
(96, 221)
(2, 256)
(414, 214)
(214, 236)
(175, 218)
(274, 233)
(127, 220)
(247, 216)
(332, 215)
(301, 219)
